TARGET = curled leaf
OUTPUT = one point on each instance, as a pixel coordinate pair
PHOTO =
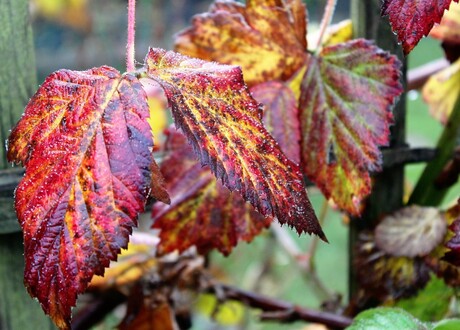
(216, 112)
(345, 114)
(86, 145)
(411, 231)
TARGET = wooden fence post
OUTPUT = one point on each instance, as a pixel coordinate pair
(387, 193)
(17, 83)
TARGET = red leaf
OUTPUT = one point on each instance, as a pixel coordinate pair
(411, 20)
(214, 108)
(453, 245)
(86, 145)
(280, 115)
(347, 95)
(203, 212)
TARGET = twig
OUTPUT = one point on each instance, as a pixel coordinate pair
(417, 77)
(130, 51)
(302, 260)
(325, 22)
(279, 310)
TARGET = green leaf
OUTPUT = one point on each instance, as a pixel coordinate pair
(424, 307)
(385, 318)
(452, 324)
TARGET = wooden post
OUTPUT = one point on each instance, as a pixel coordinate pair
(387, 193)
(17, 83)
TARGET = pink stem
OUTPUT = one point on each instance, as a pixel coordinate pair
(130, 66)
(325, 22)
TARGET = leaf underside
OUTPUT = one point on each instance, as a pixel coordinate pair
(203, 213)
(411, 20)
(213, 107)
(345, 114)
(86, 145)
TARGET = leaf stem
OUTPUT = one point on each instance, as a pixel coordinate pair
(130, 66)
(325, 22)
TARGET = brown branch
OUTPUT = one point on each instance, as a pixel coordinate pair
(278, 310)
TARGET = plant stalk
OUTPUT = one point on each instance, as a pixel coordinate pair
(130, 51)
(325, 22)
(426, 192)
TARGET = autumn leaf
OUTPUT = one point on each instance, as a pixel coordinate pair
(345, 112)
(441, 90)
(411, 231)
(203, 213)
(215, 110)
(86, 145)
(449, 28)
(386, 278)
(280, 115)
(267, 38)
(412, 20)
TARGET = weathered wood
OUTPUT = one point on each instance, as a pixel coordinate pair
(387, 193)
(17, 83)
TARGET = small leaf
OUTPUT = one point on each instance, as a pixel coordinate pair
(411, 231)
(412, 20)
(345, 114)
(339, 33)
(86, 145)
(441, 90)
(267, 38)
(423, 306)
(280, 115)
(384, 318)
(203, 213)
(215, 110)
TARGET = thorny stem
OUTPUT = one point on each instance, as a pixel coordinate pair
(325, 22)
(130, 66)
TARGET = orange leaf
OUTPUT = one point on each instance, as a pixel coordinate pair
(267, 38)
(215, 110)
(203, 212)
(86, 145)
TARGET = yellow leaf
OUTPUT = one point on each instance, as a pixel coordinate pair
(227, 313)
(441, 91)
(72, 13)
